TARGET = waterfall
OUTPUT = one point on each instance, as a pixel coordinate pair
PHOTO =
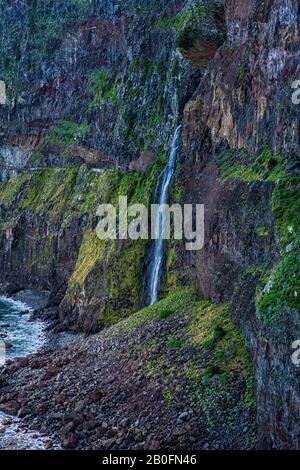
(155, 266)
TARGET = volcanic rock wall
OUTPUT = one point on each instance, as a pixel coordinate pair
(241, 159)
(103, 83)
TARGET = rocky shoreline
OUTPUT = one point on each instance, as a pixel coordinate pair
(132, 386)
(14, 434)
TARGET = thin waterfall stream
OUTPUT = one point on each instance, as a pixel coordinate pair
(155, 269)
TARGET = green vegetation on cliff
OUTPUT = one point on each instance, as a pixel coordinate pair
(189, 16)
(114, 268)
(35, 27)
(57, 199)
(279, 287)
(103, 87)
(242, 165)
(49, 192)
(282, 289)
(195, 22)
(174, 275)
(50, 205)
(67, 133)
(205, 327)
(11, 190)
(56, 194)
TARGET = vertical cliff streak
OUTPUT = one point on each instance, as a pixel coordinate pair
(155, 270)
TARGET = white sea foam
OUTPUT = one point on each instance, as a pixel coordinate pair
(18, 437)
(26, 336)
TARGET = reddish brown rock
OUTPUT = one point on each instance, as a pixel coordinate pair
(37, 364)
(48, 445)
(61, 398)
(95, 396)
(42, 408)
(143, 162)
(51, 372)
(9, 407)
(22, 362)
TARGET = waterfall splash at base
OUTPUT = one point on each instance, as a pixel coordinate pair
(156, 258)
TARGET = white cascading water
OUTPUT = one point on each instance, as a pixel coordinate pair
(163, 197)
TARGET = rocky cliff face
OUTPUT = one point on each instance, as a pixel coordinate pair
(102, 81)
(241, 140)
(95, 89)
(105, 85)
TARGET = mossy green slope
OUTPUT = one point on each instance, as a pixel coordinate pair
(205, 327)
(109, 272)
(282, 289)
(279, 287)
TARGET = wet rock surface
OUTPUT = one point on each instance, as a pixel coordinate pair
(14, 435)
(27, 337)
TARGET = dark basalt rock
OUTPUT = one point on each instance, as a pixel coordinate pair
(104, 89)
